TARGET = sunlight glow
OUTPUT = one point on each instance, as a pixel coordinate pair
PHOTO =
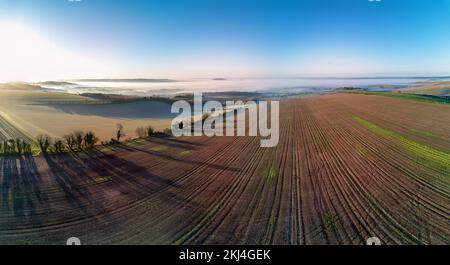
(25, 55)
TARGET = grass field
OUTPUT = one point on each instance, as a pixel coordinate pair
(430, 88)
(412, 96)
(347, 167)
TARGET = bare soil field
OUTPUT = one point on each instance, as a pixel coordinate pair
(38, 112)
(347, 167)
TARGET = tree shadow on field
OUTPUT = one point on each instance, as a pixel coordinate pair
(31, 181)
(73, 178)
(165, 141)
(113, 165)
(68, 173)
(136, 183)
(186, 160)
(119, 147)
(77, 175)
(9, 174)
(77, 194)
(173, 142)
(21, 189)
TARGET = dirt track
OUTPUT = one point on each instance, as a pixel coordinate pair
(329, 181)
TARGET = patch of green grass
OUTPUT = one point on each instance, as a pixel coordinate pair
(425, 133)
(430, 135)
(158, 148)
(430, 156)
(330, 220)
(185, 153)
(416, 97)
(98, 180)
(272, 173)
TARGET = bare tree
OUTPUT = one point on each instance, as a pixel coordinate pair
(150, 131)
(19, 146)
(58, 146)
(70, 140)
(44, 142)
(12, 146)
(27, 147)
(90, 140)
(79, 137)
(141, 132)
(119, 132)
(167, 132)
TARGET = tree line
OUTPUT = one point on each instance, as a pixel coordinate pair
(73, 142)
(15, 147)
(76, 141)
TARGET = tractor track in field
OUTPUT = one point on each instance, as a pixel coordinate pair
(330, 180)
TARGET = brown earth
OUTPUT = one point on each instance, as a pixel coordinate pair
(330, 180)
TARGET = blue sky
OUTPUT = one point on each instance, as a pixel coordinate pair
(199, 38)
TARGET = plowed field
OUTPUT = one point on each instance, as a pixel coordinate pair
(347, 167)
